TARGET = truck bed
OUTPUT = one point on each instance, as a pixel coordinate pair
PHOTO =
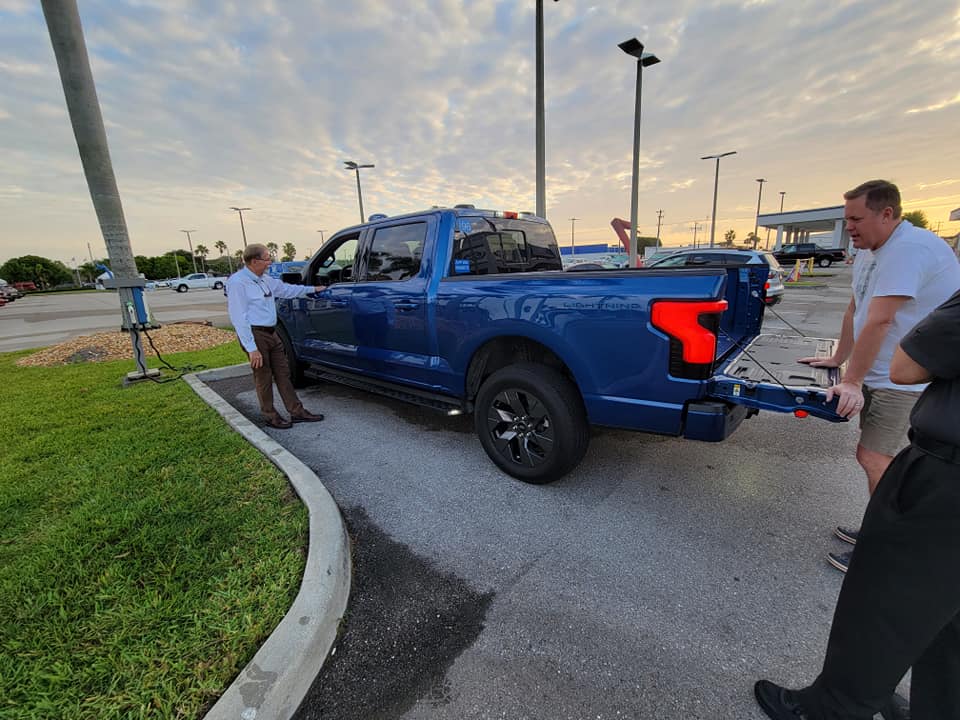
(773, 358)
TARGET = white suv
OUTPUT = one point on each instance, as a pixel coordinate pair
(712, 257)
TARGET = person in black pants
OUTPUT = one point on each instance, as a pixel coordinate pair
(899, 606)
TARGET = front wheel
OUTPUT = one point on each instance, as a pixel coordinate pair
(825, 262)
(297, 376)
(531, 422)
(218, 285)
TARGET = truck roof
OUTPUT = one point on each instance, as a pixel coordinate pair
(456, 210)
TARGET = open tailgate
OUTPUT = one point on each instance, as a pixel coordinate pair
(765, 375)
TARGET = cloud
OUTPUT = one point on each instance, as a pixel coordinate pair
(955, 100)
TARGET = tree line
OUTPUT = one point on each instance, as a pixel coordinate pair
(46, 273)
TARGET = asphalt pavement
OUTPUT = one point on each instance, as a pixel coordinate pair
(660, 579)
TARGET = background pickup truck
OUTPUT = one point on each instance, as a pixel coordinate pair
(197, 280)
(469, 311)
(824, 257)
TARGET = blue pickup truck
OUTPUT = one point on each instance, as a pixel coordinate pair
(469, 311)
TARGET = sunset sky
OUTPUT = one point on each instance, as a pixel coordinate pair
(257, 103)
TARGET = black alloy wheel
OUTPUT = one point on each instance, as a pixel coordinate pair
(531, 422)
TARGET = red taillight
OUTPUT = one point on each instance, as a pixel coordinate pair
(681, 321)
(766, 286)
(801, 413)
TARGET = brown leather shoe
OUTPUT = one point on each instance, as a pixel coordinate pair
(307, 416)
(278, 422)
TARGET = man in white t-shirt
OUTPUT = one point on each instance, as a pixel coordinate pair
(901, 273)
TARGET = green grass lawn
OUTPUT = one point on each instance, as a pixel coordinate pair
(146, 550)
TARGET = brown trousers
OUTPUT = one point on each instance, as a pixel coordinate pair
(275, 368)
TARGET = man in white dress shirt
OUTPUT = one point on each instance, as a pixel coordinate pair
(253, 312)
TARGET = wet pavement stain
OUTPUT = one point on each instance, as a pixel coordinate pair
(406, 624)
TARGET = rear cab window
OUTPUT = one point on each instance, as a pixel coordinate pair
(485, 245)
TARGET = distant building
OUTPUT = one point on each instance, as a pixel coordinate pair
(801, 225)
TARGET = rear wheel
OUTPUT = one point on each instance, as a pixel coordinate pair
(531, 422)
(297, 376)
(181, 288)
(825, 262)
(218, 285)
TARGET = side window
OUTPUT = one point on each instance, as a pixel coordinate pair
(703, 259)
(737, 258)
(789, 249)
(675, 261)
(335, 264)
(396, 251)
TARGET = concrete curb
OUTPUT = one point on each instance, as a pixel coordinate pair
(275, 681)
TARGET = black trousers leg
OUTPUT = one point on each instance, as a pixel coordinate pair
(935, 685)
(900, 593)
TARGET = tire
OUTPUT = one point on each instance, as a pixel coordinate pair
(553, 429)
(825, 262)
(297, 376)
(218, 285)
(181, 288)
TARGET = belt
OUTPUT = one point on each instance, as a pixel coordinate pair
(942, 450)
(264, 328)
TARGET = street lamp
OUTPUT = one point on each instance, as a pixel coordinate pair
(573, 244)
(756, 223)
(634, 48)
(541, 162)
(351, 165)
(782, 193)
(242, 230)
(716, 180)
(321, 236)
(190, 243)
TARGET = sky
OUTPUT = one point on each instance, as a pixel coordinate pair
(209, 105)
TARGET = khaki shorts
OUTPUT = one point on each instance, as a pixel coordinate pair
(885, 419)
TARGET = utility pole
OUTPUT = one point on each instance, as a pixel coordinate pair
(659, 218)
(695, 226)
(190, 243)
(66, 36)
(573, 245)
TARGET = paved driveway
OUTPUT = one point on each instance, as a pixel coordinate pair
(658, 580)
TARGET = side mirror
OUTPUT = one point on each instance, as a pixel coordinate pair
(292, 278)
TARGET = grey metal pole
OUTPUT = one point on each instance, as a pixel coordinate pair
(243, 230)
(90, 253)
(635, 182)
(713, 217)
(659, 218)
(359, 194)
(573, 244)
(66, 36)
(756, 222)
(190, 244)
(541, 163)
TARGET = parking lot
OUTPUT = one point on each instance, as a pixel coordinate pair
(658, 580)
(41, 320)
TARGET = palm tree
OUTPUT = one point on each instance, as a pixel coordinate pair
(289, 251)
(202, 253)
(221, 247)
(273, 248)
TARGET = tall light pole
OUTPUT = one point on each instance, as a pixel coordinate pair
(782, 193)
(243, 232)
(190, 243)
(573, 244)
(541, 152)
(321, 236)
(659, 219)
(716, 182)
(634, 48)
(696, 225)
(351, 165)
(756, 222)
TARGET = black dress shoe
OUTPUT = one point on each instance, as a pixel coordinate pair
(307, 417)
(279, 423)
(779, 703)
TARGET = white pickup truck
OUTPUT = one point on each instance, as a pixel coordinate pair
(197, 280)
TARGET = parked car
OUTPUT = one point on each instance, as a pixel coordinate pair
(592, 266)
(468, 311)
(25, 286)
(824, 257)
(8, 292)
(193, 281)
(707, 257)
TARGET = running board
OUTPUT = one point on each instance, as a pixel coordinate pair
(424, 398)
